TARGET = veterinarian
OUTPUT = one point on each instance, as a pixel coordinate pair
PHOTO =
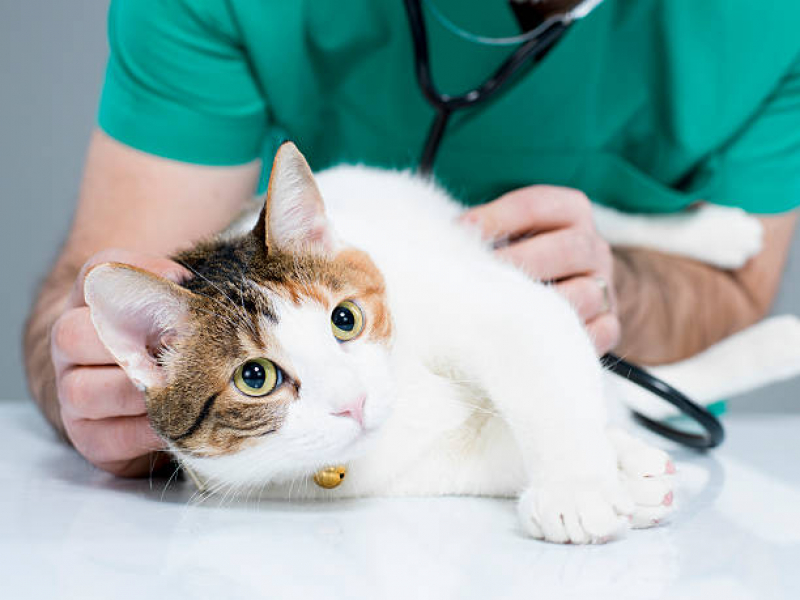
(647, 106)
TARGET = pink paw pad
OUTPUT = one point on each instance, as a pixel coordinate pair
(668, 499)
(670, 468)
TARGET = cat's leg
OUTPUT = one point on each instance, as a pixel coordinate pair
(524, 345)
(754, 357)
(723, 236)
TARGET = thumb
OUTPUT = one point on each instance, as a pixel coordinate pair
(160, 265)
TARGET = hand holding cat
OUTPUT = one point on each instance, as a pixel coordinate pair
(103, 413)
(548, 231)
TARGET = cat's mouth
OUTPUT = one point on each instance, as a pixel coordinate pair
(359, 442)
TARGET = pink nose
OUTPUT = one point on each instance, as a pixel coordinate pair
(354, 410)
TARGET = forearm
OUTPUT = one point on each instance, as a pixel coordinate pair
(132, 201)
(671, 307)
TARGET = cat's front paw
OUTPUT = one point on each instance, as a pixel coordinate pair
(646, 473)
(594, 510)
(577, 512)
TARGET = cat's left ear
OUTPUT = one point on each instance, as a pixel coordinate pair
(294, 219)
(137, 315)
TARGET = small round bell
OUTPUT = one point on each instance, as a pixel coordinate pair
(330, 477)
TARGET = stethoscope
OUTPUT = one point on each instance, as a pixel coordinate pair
(531, 47)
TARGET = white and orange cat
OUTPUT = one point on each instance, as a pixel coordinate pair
(374, 332)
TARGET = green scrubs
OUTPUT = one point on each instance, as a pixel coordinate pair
(646, 105)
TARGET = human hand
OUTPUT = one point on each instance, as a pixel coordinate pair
(103, 413)
(549, 232)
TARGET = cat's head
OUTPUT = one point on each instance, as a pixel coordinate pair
(274, 359)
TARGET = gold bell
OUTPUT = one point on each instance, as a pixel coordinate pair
(330, 477)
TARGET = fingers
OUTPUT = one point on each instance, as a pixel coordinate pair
(560, 254)
(155, 264)
(99, 393)
(605, 332)
(74, 340)
(113, 440)
(553, 238)
(587, 296)
(531, 209)
(103, 413)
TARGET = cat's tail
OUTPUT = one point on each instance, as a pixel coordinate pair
(765, 353)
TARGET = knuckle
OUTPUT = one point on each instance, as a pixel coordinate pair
(62, 335)
(83, 435)
(525, 204)
(72, 390)
(94, 449)
(581, 243)
(580, 202)
(108, 255)
(602, 247)
(587, 298)
(603, 256)
(594, 296)
(606, 332)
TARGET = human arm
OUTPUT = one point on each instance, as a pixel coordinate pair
(672, 307)
(149, 207)
(664, 307)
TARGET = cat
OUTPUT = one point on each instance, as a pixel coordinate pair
(372, 331)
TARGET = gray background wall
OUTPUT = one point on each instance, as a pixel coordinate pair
(52, 56)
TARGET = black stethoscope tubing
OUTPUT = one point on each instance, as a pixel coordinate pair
(527, 54)
(445, 104)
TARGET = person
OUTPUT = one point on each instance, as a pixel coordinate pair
(649, 106)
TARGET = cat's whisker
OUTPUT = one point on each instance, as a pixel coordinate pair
(207, 280)
(171, 477)
(247, 316)
(199, 496)
(212, 299)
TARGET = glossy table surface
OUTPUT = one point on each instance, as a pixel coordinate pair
(70, 531)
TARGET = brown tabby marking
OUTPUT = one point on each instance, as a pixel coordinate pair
(199, 409)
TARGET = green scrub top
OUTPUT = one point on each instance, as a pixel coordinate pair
(646, 105)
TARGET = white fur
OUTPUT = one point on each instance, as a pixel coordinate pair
(491, 386)
(765, 353)
(496, 387)
(719, 235)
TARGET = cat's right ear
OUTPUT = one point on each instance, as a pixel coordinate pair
(294, 219)
(137, 315)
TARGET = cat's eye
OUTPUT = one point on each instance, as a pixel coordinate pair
(257, 377)
(347, 321)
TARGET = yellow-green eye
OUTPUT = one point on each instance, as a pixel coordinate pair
(347, 321)
(257, 377)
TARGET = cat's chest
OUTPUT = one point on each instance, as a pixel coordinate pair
(443, 436)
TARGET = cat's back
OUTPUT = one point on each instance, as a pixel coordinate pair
(378, 209)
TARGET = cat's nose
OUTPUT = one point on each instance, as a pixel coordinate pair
(354, 410)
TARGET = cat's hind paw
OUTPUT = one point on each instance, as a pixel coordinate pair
(646, 473)
(575, 512)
